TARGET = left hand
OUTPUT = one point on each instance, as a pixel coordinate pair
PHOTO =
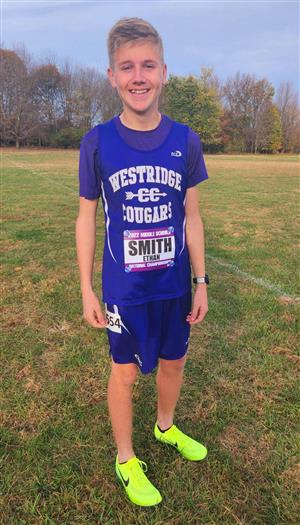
(200, 305)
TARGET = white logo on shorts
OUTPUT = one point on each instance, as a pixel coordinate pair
(138, 358)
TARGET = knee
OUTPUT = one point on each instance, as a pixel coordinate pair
(124, 374)
(172, 366)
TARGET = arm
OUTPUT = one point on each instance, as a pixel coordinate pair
(196, 248)
(85, 245)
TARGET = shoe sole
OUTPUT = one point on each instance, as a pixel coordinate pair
(132, 500)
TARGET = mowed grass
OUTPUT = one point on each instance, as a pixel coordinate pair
(241, 390)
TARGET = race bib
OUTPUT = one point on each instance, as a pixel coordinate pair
(149, 249)
(114, 321)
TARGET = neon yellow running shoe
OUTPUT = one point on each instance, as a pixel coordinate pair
(135, 482)
(189, 448)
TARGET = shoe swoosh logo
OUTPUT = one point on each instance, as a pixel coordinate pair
(126, 481)
(174, 444)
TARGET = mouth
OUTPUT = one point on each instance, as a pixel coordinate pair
(139, 93)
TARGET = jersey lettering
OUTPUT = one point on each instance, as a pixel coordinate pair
(145, 174)
(148, 215)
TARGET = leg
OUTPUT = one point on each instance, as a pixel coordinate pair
(119, 395)
(168, 380)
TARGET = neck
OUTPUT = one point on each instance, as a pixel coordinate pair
(140, 122)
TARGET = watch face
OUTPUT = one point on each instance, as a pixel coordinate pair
(198, 280)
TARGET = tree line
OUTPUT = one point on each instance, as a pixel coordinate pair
(48, 105)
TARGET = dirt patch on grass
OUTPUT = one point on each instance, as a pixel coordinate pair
(287, 352)
(28, 423)
(245, 447)
(22, 295)
(63, 326)
(23, 312)
(48, 361)
(260, 389)
(30, 384)
(235, 333)
(292, 475)
(247, 385)
(286, 299)
(13, 218)
(288, 317)
(204, 408)
(24, 427)
(47, 368)
(250, 389)
(91, 391)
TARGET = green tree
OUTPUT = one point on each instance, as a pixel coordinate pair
(190, 101)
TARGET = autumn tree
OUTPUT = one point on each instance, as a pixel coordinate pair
(287, 103)
(48, 104)
(16, 111)
(245, 99)
(46, 90)
(111, 103)
(269, 133)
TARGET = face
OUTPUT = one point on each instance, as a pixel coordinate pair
(138, 75)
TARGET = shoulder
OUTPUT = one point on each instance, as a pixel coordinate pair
(176, 123)
(90, 138)
(194, 142)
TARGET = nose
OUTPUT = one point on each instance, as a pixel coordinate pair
(138, 77)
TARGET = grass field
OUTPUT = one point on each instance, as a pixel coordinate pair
(241, 390)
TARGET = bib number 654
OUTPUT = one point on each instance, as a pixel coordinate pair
(114, 322)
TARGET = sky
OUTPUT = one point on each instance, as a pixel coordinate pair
(258, 37)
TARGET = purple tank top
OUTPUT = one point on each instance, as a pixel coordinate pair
(143, 195)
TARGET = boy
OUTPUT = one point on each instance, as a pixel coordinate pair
(145, 167)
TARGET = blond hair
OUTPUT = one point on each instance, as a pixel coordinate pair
(129, 30)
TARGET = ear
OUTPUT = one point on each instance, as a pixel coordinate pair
(111, 76)
(165, 74)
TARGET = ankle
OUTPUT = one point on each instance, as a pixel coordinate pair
(164, 424)
(125, 456)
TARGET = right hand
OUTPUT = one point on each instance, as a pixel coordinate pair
(92, 311)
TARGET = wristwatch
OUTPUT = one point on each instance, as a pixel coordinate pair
(198, 280)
